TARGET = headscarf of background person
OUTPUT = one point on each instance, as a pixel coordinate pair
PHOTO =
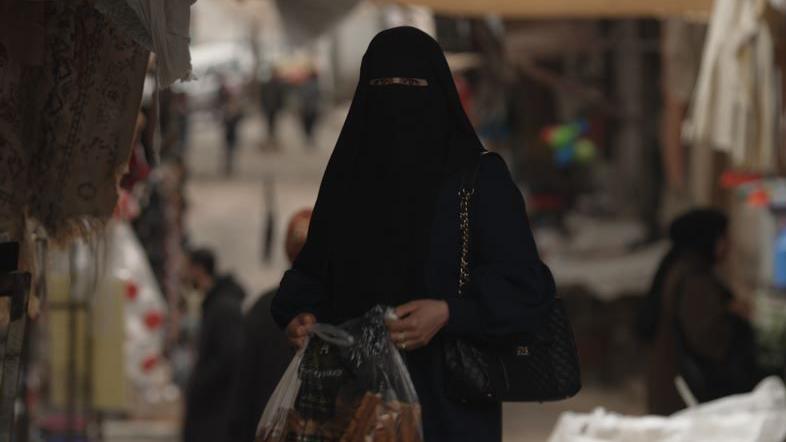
(405, 133)
(266, 352)
(297, 231)
(697, 231)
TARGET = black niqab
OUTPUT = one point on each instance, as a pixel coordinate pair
(369, 235)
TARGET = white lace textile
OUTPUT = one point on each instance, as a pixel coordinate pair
(161, 26)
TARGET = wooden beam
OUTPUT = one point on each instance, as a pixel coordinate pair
(567, 8)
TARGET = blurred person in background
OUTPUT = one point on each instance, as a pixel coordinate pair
(266, 353)
(174, 121)
(181, 120)
(698, 330)
(309, 104)
(272, 95)
(230, 111)
(219, 346)
(385, 231)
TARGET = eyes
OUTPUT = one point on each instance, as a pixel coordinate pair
(401, 81)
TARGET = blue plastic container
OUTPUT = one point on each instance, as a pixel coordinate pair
(779, 260)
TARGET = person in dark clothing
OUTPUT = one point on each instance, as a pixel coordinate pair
(229, 107)
(385, 230)
(309, 105)
(219, 346)
(272, 94)
(266, 353)
(696, 327)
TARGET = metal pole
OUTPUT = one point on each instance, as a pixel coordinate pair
(15, 285)
(71, 346)
(629, 150)
(29, 350)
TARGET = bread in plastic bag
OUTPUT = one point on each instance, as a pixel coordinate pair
(348, 384)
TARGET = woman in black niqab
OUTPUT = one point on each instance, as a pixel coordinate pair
(385, 229)
(377, 198)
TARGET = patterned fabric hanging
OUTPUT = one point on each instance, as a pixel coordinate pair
(66, 125)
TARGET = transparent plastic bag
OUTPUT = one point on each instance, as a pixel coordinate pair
(348, 384)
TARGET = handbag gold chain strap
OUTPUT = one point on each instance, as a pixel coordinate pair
(465, 197)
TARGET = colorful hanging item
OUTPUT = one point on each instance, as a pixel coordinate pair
(570, 142)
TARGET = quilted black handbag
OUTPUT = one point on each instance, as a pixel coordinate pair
(537, 367)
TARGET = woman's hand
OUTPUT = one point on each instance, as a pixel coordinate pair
(298, 328)
(418, 322)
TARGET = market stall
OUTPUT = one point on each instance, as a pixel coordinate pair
(70, 96)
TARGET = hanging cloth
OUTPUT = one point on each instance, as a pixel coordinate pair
(161, 26)
(734, 107)
(67, 122)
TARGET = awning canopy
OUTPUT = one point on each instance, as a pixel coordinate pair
(567, 8)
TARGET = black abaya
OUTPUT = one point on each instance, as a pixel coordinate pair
(385, 226)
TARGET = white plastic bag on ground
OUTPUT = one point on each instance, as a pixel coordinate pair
(349, 384)
(759, 416)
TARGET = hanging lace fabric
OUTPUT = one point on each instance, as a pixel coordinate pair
(67, 119)
(161, 26)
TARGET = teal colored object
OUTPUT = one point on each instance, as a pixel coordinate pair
(564, 156)
(569, 143)
(779, 260)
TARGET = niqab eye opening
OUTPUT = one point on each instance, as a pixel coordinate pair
(402, 81)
